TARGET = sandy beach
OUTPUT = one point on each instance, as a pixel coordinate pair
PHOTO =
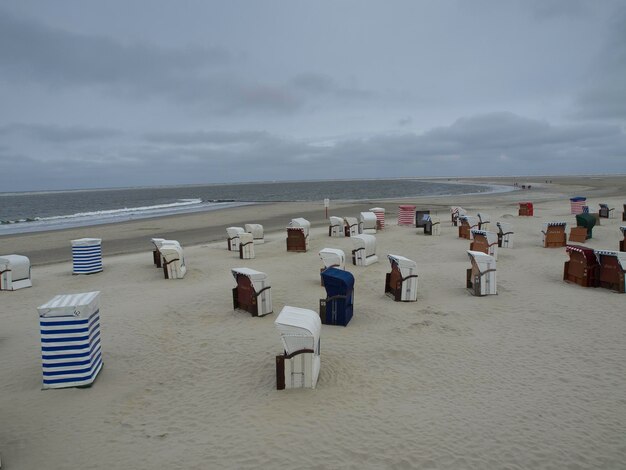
(531, 378)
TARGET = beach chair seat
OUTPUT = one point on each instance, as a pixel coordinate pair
(71, 350)
(252, 293)
(380, 217)
(406, 215)
(233, 237)
(583, 267)
(455, 213)
(505, 234)
(605, 212)
(257, 233)
(401, 282)
(173, 260)
(156, 252)
(485, 242)
(483, 221)
(299, 365)
(622, 243)
(553, 234)
(481, 277)
(87, 256)
(298, 235)
(367, 222)
(432, 226)
(335, 226)
(351, 226)
(577, 235)
(364, 252)
(246, 246)
(466, 223)
(526, 209)
(15, 272)
(337, 308)
(612, 270)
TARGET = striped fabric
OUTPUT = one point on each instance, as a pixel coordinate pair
(70, 340)
(380, 216)
(585, 210)
(576, 204)
(406, 215)
(87, 255)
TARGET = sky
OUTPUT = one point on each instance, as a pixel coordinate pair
(151, 92)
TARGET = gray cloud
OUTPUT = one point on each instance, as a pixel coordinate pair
(58, 134)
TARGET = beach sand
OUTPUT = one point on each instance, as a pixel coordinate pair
(534, 377)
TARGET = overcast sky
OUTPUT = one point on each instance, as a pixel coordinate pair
(125, 93)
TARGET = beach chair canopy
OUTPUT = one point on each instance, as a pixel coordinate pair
(336, 221)
(299, 329)
(483, 260)
(505, 227)
(365, 241)
(368, 217)
(405, 265)
(86, 241)
(255, 229)
(484, 218)
(585, 220)
(351, 221)
(333, 256)
(170, 251)
(246, 237)
(554, 224)
(377, 209)
(18, 264)
(337, 281)
(491, 237)
(234, 231)
(588, 253)
(300, 223)
(157, 242)
(257, 278)
(71, 305)
(620, 255)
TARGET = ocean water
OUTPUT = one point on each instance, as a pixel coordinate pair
(50, 210)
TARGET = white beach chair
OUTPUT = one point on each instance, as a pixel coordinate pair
(481, 277)
(233, 237)
(298, 235)
(505, 234)
(253, 292)
(70, 340)
(335, 226)
(364, 252)
(486, 242)
(299, 365)
(173, 260)
(351, 226)
(246, 246)
(367, 223)
(401, 282)
(14, 272)
(257, 232)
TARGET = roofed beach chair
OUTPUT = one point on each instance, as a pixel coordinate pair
(156, 253)
(622, 243)
(401, 282)
(587, 221)
(252, 293)
(87, 255)
(351, 226)
(364, 252)
(298, 235)
(71, 352)
(332, 258)
(483, 221)
(466, 223)
(380, 217)
(335, 226)
(485, 242)
(257, 232)
(432, 226)
(420, 221)
(455, 213)
(246, 246)
(605, 212)
(481, 277)
(583, 267)
(299, 365)
(612, 269)
(173, 260)
(553, 234)
(526, 209)
(233, 237)
(367, 222)
(505, 234)
(14, 272)
(406, 214)
(337, 308)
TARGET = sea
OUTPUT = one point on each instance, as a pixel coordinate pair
(23, 212)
